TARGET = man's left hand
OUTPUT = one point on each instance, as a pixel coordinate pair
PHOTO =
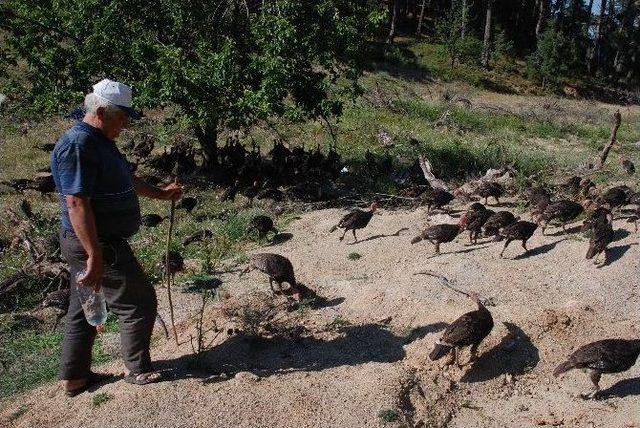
(172, 192)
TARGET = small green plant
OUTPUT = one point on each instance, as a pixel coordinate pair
(17, 413)
(388, 416)
(338, 323)
(100, 398)
(354, 256)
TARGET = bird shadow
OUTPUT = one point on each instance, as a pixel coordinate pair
(469, 249)
(616, 253)
(542, 249)
(420, 332)
(620, 234)
(199, 285)
(621, 389)
(280, 238)
(371, 238)
(312, 300)
(515, 354)
(573, 229)
(267, 356)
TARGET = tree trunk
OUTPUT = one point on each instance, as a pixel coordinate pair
(542, 16)
(208, 139)
(595, 53)
(487, 36)
(612, 140)
(394, 19)
(421, 17)
(463, 25)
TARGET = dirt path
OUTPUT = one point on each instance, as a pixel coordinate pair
(545, 305)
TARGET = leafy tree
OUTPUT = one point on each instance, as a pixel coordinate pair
(223, 64)
(555, 57)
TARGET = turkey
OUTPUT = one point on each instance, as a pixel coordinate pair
(43, 183)
(615, 197)
(230, 192)
(187, 204)
(176, 263)
(497, 221)
(356, 219)
(278, 268)
(473, 220)
(198, 236)
(601, 235)
(598, 214)
(628, 166)
(151, 220)
(468, 330)
(435, 198)
(263, 225)
(25, 207)
(488, 189)
(438, 234)
(251, 192)
(518, 231)
(603, 356)
(563, 211)
(59, 300)
(572, 185)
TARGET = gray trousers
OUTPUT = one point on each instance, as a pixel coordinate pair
(129, 296)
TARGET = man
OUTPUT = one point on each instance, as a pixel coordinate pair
(99, 210)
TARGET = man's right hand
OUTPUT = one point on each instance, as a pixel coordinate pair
(93, 273)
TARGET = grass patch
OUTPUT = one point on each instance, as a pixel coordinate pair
(15, 415)
(338, 323)
(100, 398)
(388, 416)
(354, 256)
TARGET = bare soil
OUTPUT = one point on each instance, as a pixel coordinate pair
(365, 349)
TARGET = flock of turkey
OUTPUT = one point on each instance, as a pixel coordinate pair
(306, 174)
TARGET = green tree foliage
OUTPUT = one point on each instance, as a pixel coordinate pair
(461, 49)
(555, 58)
(224, 64)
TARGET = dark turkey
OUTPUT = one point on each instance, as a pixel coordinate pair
(356, 219)
(187, 204)
(278, 268)
(572, 185)
(438, 234)
(634, 199)
(43, 183)
(151, 220)
(176, 262)
(473, 220)
(197, 237)
(598, 214)
(468, 330)
(603, 356)
(263, 225)
(628, 166)
(251, 192)
(435, 198)
(230, 192)
(564, 211)
(497, 221)
(518, 231)
(601, 235)
(615, 197)
(25, 207)
(46, 147)
(488, 189)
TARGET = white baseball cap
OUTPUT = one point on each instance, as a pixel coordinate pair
(117, 94)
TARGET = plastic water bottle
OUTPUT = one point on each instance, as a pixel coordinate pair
(93, 303)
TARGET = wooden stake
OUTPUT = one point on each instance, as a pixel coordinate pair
(612, 140)
(167, 268)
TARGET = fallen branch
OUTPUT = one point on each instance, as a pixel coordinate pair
(426, 167)
(612, 139)
(447, 283)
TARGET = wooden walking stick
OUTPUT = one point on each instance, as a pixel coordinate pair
(167, 266)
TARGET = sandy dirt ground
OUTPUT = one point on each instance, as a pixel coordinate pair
(365, 349)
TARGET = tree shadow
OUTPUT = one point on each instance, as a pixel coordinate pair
(202, 284)
(313, 300)
(265, 357)
(542, 249)
(616, 253)
(623, 388)
(515, 354)
(280, 238)
(573, 229)
(371, 238)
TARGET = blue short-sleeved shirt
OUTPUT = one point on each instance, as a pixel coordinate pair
(85, 162)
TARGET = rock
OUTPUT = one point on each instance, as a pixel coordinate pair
(246, 377)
